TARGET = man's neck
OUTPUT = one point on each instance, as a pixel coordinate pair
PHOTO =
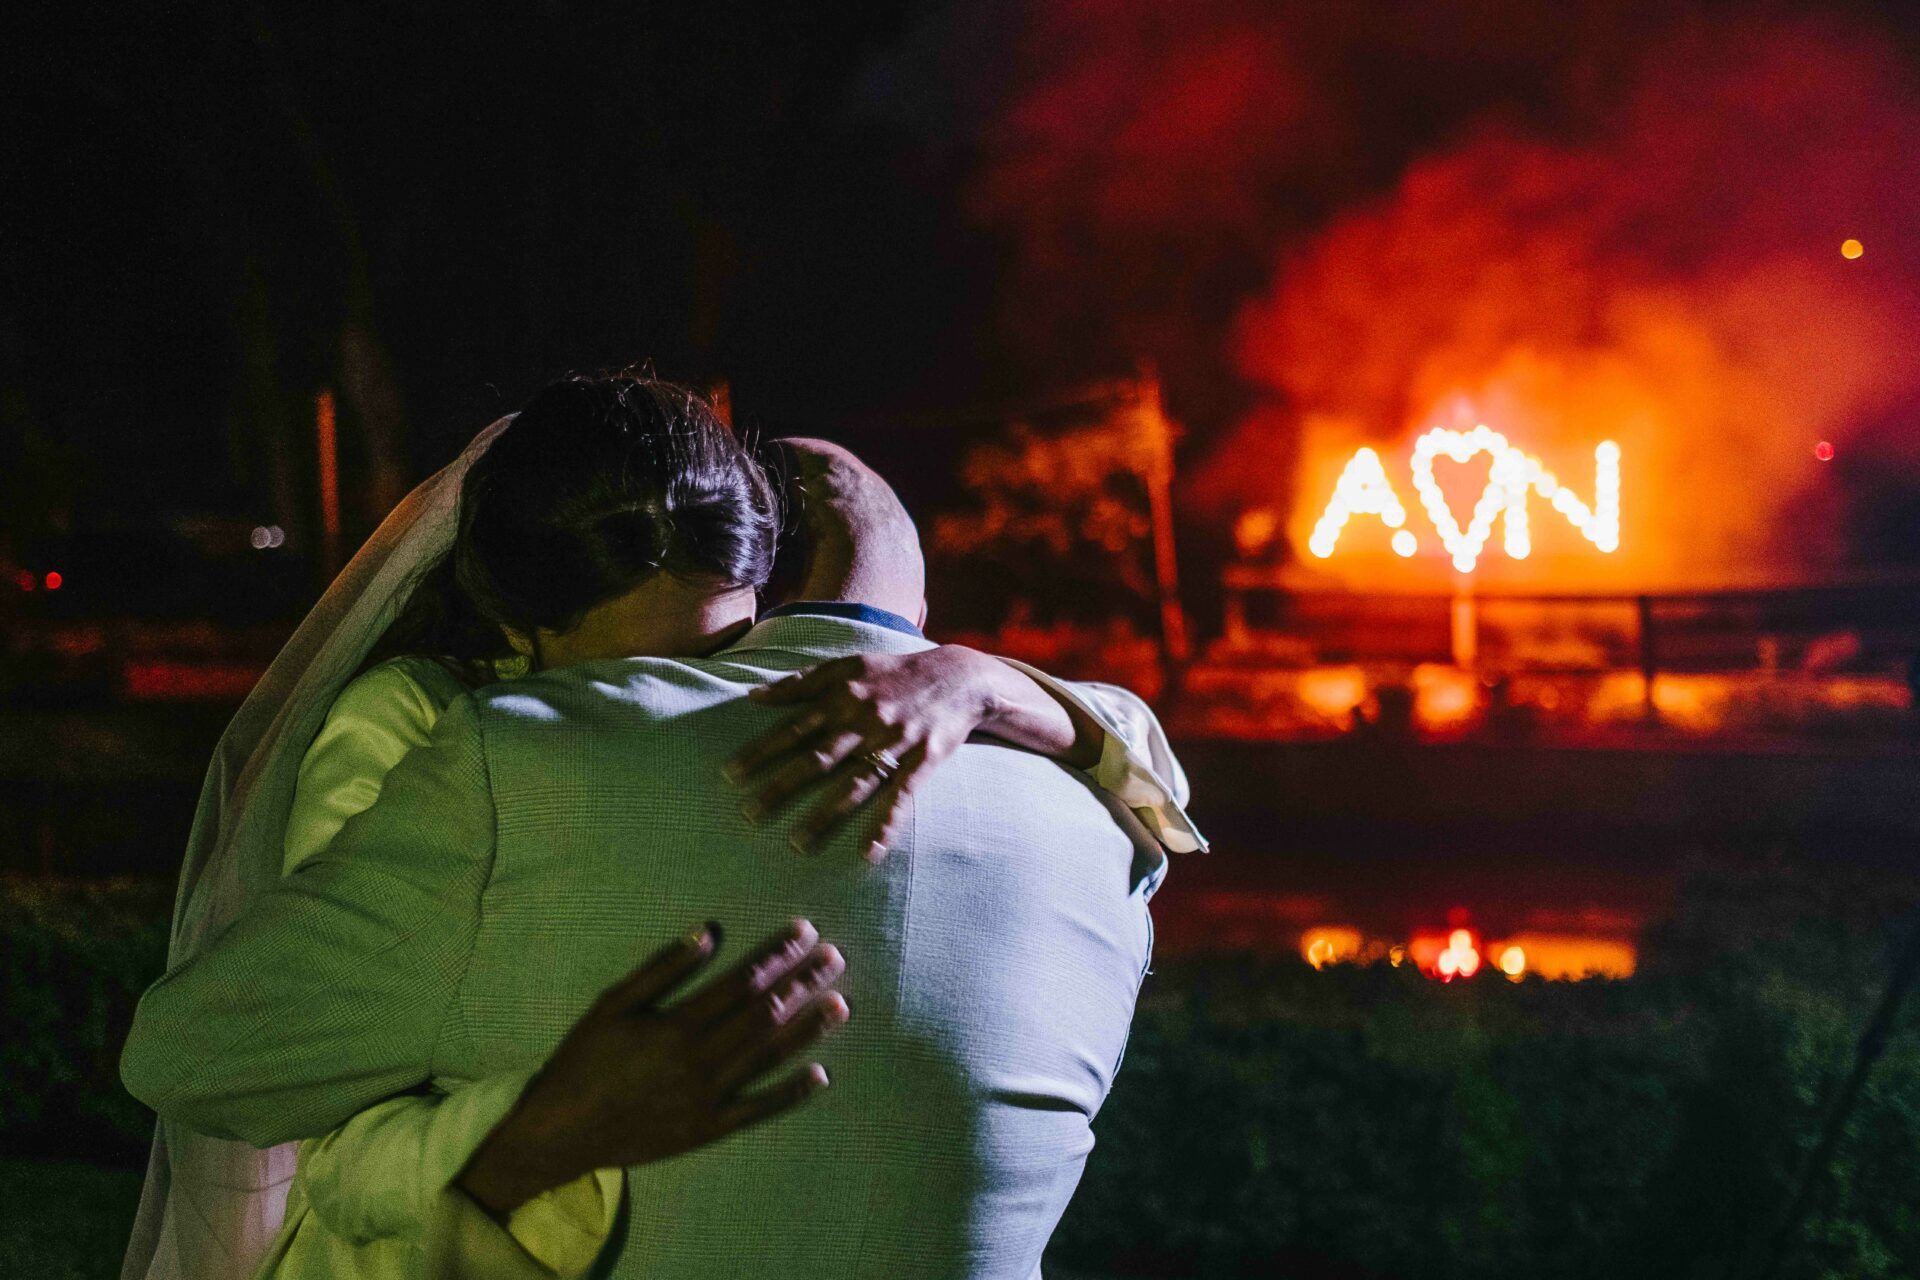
(838, 573)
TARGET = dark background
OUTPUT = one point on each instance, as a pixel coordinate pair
(896, 225)
(872, 219)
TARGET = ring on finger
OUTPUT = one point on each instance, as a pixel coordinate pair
(884, 762)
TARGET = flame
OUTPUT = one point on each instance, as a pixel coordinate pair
(1623, 237)
(1564, 956)
(1513, 961)
(1573, 294)
(1331, 944)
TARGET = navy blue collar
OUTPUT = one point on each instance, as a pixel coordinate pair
(845, 609)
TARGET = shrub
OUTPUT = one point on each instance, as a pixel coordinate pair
(1275, 1119)
(74, 957)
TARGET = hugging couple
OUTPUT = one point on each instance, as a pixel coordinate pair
(440, 998)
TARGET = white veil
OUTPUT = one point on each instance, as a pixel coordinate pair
(211, 1207)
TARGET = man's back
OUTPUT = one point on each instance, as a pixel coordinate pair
(993, 961)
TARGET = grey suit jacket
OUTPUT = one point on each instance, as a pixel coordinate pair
(559, 829)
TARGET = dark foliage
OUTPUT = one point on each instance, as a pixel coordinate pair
(1350, 1122)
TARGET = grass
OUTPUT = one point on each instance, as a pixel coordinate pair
(64, 1220)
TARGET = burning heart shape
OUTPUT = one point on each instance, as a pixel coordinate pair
(1505, 492)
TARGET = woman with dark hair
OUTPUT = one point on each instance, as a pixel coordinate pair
(610, 508)
(612, 513)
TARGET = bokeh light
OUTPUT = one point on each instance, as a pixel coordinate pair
(1513, 962)
(1330, 944)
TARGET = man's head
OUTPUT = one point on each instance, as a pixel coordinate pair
(846, 536)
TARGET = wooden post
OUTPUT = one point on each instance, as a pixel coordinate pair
(1233, 618)
(1649, 664)
(1465, 630)
(326, 439)
(1159, 480)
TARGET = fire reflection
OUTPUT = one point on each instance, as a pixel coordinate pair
(1460, 953)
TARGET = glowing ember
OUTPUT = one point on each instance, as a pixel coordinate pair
(1851, 249)
(1571, 957)
(1330, 944)
(1363, 489)
(1255, 531)
(1461, 959)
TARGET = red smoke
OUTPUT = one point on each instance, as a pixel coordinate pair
(1613, 221)
(1673, 282)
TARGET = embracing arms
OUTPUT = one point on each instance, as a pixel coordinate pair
(331, 993)
(919, 708)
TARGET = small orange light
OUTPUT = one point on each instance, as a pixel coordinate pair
(1331, 944)
(1851, 249)
(1824, 451)
(54, 581)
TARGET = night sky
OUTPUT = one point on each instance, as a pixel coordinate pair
(838, 207)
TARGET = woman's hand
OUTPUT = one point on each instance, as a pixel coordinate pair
(874, 727)
(638, 1080)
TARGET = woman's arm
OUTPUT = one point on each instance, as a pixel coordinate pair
(327, 995)
(502, 1177)
(916, 709)
(520, 1174)
(389, 1171)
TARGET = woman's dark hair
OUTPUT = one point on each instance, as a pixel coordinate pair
(599, 483)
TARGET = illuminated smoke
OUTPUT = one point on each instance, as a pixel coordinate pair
(1578, 223)
(1675, 283)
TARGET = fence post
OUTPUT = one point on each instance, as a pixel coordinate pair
(1464, 625)
(1648, 658)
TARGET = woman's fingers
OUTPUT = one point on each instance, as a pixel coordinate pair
(753, 1059)
(752, 1021)
(802, 768)
(891, 806)
(752, 1108)
(778, 743)
(660, 973)
(745, 982)
(859, 781)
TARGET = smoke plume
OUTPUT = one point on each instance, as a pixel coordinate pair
(1602, 221)
(1674, 281)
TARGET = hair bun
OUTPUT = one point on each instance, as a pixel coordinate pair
(629, 539)
(599, 482)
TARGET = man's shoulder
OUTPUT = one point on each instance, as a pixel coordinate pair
(639, 688)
